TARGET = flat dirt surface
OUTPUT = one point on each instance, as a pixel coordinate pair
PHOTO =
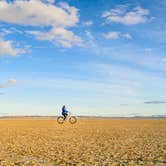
(89, 142)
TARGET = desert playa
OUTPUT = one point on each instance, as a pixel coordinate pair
(91, 141)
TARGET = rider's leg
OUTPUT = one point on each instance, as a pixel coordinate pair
(65, 116)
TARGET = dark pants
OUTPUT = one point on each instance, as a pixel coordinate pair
(65, 115)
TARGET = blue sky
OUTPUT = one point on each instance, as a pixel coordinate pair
(98, 57)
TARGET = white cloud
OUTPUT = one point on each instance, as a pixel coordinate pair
(12, 81)
(116, 35)
(6, 48)
(112, 35)
(50, 1)
(148, 49)
(8, 83)
(4, 32)
(36, 13)
(127, 36)
(128, 17)
(58, 36)
(88, 23)
(7, 31)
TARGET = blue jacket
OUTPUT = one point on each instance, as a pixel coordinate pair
(64, 110)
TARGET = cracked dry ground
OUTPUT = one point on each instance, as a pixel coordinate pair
(90, 142)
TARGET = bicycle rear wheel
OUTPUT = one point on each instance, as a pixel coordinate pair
(72, 119)
(60, 120)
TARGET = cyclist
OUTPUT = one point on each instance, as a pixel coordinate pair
(64, 112)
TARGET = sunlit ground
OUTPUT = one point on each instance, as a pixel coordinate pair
(89, 142)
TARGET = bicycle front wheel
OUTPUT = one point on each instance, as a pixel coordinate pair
(72, 119)
(60, 120)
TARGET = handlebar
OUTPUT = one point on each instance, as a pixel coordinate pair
(69, 113)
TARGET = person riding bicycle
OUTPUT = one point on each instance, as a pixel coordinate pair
(64, 112)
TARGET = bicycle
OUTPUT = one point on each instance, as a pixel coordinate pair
(71, 119)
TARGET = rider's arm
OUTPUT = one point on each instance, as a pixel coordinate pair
(66, 111)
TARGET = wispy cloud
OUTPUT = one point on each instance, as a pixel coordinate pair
(59, 18)
(137, 83)
(58, 36)
(9, 82)
(126, 36)
(4, 32)
(7, 48)
(49, 1)
(93, 87)
(12, 81)
(129, 53)
(112, 35)
(10, 30)
(155, 102)
(124, 15)
(1, 93)
(116, 35)
(124, 105)
(88, 23)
